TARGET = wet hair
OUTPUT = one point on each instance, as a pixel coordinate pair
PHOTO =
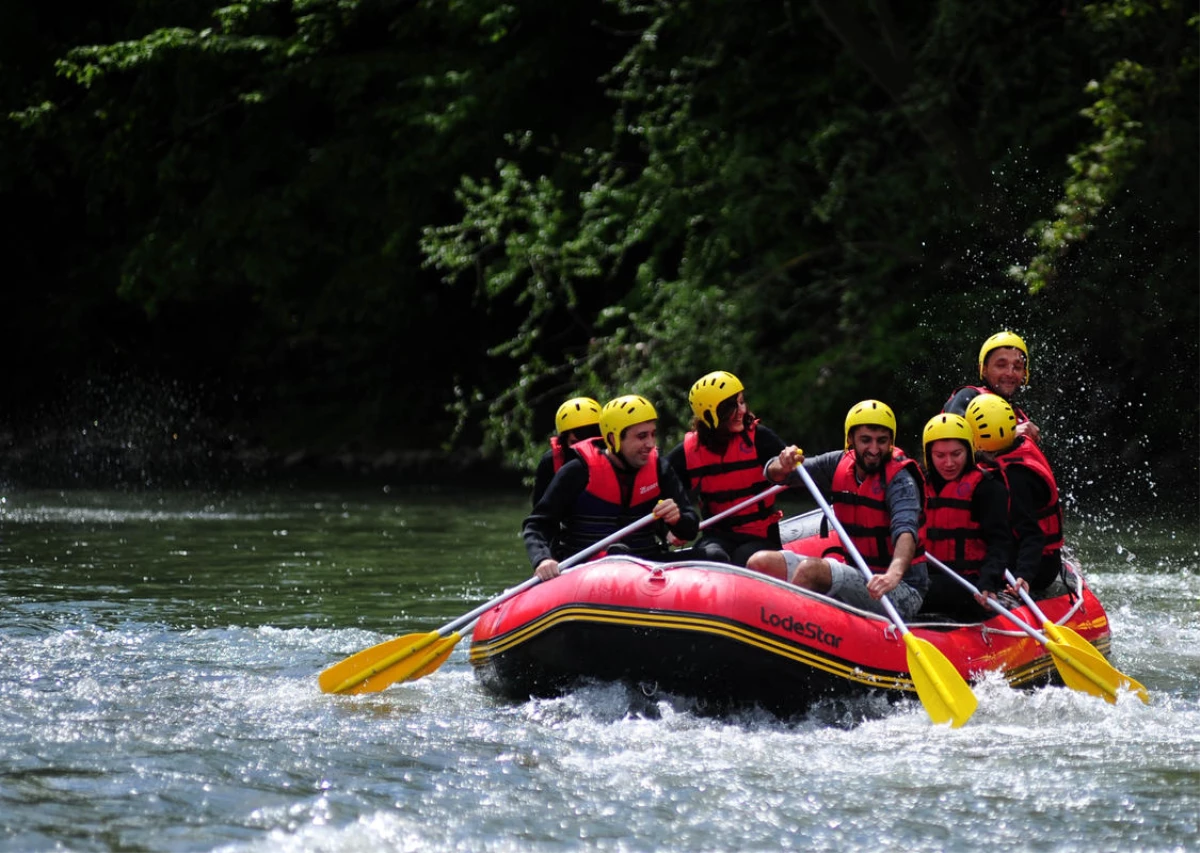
(717, 439)
(583, 433)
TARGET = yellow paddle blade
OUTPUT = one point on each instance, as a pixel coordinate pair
(1089, 671)
(407, 668)
(357, 668)
(434, 657)
(944, 693)
(1067, 636)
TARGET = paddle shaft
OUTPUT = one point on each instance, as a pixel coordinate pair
(474, 615)
(573, 560)
(1025, 597)
(943, 691)
(993, 603)
(848, 544)
(765, 493)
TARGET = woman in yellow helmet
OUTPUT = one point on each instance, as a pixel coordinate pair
(577, 419)
(1003, 369)
(966, 521)
(720, 462)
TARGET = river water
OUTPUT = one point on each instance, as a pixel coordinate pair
(158, 692)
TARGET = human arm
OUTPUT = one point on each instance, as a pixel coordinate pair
(1027, 492)
(541, 527)
(989, 509)
(1026, 427)
(767, 443)
(542, 477)
(677, 459)
(687, 527)
(957, 404)
(903, 551)
(903, 500)
(782, 469)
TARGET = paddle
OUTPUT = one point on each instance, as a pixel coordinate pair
(397, 659)
(1085, 670)
(1103, 679)
(941, 689)
(765, 493)
(365, 671)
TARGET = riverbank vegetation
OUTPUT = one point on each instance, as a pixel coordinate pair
(386, 226)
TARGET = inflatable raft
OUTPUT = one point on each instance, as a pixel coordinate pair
(733, 639)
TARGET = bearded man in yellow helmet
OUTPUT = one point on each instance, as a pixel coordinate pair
(577, 419)
(1003, 368)
(966, 521)
(611, 484)
(720, 461)
(877, 493)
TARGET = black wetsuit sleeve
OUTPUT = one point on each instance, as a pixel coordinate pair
(688, 526)
(768, 443)
(541, 527)
(989, 509)
(1027, 492)
(677, 459)
(542, 477)
(957, 404)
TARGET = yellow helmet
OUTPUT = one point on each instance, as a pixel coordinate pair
(621, 413)
(945, 426)
(992, 422)
(1004, 339)
(710, 391)
(575, 413)
(870, 412)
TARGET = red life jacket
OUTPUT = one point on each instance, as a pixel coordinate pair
(723, 480)
(862, 508)
(1049, 516)
(557, 453)
(949, 532)
(600, 509)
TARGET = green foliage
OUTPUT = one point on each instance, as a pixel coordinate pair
(1098, 172)
(417, 223)
(1127, 111)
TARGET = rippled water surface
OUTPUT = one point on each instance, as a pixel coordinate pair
(158, 692)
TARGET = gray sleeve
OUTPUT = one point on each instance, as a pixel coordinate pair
(904, 505)
(820, 468)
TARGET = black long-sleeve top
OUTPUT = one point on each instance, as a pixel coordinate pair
(542, 526)
(1027, 492)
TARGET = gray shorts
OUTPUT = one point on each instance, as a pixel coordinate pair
(849, 585)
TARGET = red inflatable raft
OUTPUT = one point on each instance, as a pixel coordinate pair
(734, 639)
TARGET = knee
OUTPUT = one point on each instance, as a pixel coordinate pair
(769, 563)
(804, 575)
(713, 551)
